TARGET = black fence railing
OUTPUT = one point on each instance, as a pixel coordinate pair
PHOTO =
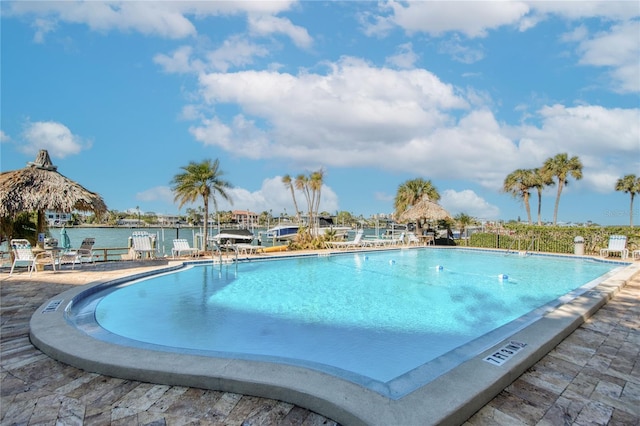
(553, 239)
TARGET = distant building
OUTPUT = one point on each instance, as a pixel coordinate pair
(131, 222)
(244, 217)
(57, 218)
(168, 219)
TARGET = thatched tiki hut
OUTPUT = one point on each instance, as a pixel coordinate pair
(39, 187)
(426, 210)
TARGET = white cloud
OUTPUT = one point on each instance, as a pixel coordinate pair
(179, 61)
(474, 19)
(52, 136)
(339, 118)
(4, 137)
(468, 202)
(168, 19)
(159, 193)
(405, 58)
(268, 24)
(236, 51)
(617, 49)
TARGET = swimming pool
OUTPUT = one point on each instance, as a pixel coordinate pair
(65, 328)
(390, 321)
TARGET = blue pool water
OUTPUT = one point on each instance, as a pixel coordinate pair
(387, 320)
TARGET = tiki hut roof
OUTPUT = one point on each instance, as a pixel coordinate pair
(40, 187)
(424, 209)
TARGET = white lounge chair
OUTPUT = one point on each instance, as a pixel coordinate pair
(180, 246)
(245, 248)
(141, 245)
(356, 242)
(377, 242)
(617, 244)
(84, 253)
(413, 239)
(24, 256)
(399, 240)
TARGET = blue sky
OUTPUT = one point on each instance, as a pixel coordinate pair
(123, 94)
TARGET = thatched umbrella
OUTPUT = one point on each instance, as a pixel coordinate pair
(39, 187)
(425, 209)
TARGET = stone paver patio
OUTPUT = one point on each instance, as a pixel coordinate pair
(592, 377)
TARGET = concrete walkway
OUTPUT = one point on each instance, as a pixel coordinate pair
(592, 377)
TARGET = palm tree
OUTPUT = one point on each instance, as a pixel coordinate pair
(201, 180)
(286, 179)
(464, 220)
(540, 180)
(316, 179)
(311, 187)
(630, 184)
(412, 191)
(560, 167)
(518, 183)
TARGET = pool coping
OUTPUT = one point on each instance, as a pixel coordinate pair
(451, 398)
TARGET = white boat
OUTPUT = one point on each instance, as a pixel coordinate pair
(279, 233)
(232, 236)
(287, 232)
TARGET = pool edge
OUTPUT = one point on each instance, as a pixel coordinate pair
(451, 398)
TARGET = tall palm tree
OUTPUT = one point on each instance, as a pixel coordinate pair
(286, 179)
(302, 184)
(311, 187)
(316, 179)
(412, 191)
(518, 183)
(560, 167)
(539, 182)
(201, 180)
(630, 184)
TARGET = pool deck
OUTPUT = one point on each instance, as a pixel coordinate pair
(590, 377)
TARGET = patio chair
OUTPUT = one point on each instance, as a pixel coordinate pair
(24, 256)
(617, 244)
(85, 252)
(412, 238)
(181, 245)
(356, 242)
(141, 246)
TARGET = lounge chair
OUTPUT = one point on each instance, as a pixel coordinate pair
(24, 256)
(399, 240)
(141, 246)
(245, 248)
(356, 242)
(181, 245)
(85, 252)
(413, 239)
(617, 244)
(377, 242)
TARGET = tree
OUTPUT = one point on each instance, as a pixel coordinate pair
(518, 183)
(561, 167)
(412, 191)
(464, 220)
(540, 180)
(201, 180)
(630, 184)
(286, 179)
(311, 187)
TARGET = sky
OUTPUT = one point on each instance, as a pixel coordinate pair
(124, 93)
